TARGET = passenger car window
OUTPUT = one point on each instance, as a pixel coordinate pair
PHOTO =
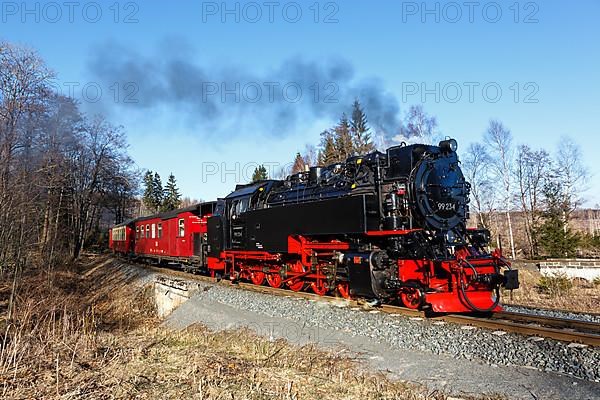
(159, 231)
(147, 231)
(153, 231)
(181, 227)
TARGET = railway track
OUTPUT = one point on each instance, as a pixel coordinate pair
(562, 329)
(558, 310)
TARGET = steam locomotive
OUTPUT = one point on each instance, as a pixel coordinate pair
(390, 227)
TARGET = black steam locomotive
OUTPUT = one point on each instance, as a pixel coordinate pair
(385, 226)
(402, 219)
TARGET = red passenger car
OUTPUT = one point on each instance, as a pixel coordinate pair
(176, 236)
(120, 239)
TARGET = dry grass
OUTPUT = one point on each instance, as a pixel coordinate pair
(59, 327)
(84, 334)
(535, 291)
(199, 364)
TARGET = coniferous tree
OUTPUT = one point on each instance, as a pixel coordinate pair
(260, 174)
(148, 199)
(361, 133)
(157, 192)
(172, 197)
(343, 139)
(557, 239)
(299, 164)
(328, 153)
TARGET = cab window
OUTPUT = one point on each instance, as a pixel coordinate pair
(244, 205)
(142, 230)
(137, 232)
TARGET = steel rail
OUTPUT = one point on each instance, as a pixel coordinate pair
(527, 329)
(557, 310)
(552, 322)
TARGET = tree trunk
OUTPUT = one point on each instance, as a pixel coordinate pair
(510, 233)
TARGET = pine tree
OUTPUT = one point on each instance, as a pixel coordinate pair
(157, 192)
(557, 239)
(361, 135)
(148, 199)
(343, 139)
(172, 197)
(328, 153)
(299, 164)
(260, 174)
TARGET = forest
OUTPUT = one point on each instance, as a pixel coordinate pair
(62, 172)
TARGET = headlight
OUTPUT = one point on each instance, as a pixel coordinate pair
(449, 145)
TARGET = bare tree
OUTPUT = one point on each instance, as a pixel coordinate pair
(571, 174)
(24, 88)
(476, 162)
(189, 201)
(499, 140)
(59, 172)
(419, 127)
(532, 171)
(94, 165)
(311, 155)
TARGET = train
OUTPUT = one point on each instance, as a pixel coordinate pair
(386, 227)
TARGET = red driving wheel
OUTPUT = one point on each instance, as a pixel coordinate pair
(257, 277)
(296, 285)
(274, 279)
(319, 287)
(411, 298)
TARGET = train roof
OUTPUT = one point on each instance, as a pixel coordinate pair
(243, 190)
(203, 208)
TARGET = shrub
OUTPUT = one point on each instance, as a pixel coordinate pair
(554, 285)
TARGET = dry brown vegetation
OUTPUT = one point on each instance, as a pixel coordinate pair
(555, 292)
(63, 329)
(88, 332)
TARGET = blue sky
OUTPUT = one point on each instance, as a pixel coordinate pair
(451, 57)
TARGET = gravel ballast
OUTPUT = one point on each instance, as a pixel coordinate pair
(465, 342)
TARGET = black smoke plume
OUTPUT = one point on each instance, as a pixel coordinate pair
(170, 79)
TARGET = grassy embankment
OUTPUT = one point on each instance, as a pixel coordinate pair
(83, 332)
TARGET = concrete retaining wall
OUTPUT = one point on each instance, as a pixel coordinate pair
(171, 293)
